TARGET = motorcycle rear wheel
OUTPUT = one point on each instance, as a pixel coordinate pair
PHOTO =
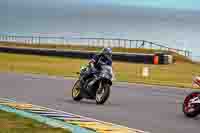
(76, 91)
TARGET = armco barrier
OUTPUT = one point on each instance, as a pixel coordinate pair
(117, 56)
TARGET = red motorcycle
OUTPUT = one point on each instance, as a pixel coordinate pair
(191, 105)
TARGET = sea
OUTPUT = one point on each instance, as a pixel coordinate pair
(175, 28)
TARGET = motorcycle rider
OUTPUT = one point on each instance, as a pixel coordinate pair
(104, 56)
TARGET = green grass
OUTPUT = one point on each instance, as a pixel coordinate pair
(12, 123)
(179, 74)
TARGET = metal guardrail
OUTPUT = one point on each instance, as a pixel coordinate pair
(126, 43)
(93, 42)
(32, 39)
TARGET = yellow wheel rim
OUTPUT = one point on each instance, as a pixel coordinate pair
(76, 92)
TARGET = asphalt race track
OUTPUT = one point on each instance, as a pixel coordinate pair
(149, 108)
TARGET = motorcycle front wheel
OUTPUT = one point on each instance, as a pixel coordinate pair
(76, 91)
(101, 97)
(189, 109)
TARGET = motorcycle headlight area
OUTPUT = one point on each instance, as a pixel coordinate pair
(106, 72)
(106, 75)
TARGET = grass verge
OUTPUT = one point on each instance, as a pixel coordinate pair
(12, 123)
(179, 74)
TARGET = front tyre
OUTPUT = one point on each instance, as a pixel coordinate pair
(101, 97)
(76, 91)
(189, 109)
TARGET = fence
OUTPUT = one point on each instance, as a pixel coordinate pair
(92, 42)
(126, 43)
(32, 39)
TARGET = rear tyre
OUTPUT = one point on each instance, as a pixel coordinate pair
(104, 95)
(76, 91)
(191, 110)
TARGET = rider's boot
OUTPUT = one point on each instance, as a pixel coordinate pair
(90, 84)
(82, 83)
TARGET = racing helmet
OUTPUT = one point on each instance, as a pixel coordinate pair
(107, 52)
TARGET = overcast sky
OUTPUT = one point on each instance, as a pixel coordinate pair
(123, 18)
(176, 4)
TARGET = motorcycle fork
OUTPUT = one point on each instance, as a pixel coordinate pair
(100, 88)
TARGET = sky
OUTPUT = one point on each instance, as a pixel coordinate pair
(118, 18)
(174, 4)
